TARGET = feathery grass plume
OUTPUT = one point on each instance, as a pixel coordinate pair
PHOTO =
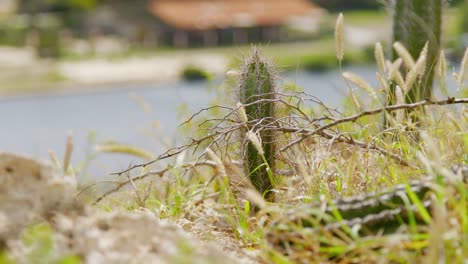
(242, 114)
(416, 27)
(404, 54)
(394, 68)
(399, 79)
(416, 71)
(256, 91)
(256, 141)
(233, 74)
(424, 50)
(383, 83)
(442, 71)
(68, 151)
(55, 160)
(124, 149)
(361, 83)
(379, 57)
(355, 100)
(463, 69)
(339, 37)
(399, 99)
(442, 66)
(219, 164)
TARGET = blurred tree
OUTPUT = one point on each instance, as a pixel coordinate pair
(34, 6)
(76, 5)
(48, 17)
(455, 2)
(339, 5)
(72, 12)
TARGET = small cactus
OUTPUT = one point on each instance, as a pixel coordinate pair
(417, 22)
(416, 27)
(256, 91)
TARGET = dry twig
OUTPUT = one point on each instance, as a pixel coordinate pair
(426, 102)
(131, 180)
(299, 122)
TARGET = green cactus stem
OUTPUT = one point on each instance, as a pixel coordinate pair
(416, 22)
(256, 91)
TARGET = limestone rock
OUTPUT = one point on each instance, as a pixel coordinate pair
(128, 237)
(30, 190)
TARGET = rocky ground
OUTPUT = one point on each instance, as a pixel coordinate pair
(33, 193)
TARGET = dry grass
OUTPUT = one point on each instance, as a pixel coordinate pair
(332, 169)
(326, 155)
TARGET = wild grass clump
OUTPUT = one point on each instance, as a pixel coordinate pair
(416, 32)
(346, 189)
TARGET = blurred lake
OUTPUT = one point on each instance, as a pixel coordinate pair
(33, 125)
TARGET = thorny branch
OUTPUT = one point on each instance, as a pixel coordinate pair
(351, 141)
(217, 131)
(426, 102)
(298, 121)
(120, 184)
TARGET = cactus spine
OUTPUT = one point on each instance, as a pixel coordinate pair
(257, 93)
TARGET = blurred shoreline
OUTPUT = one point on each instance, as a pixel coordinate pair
(24, 75)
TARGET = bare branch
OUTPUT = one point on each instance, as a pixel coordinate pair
(160, 173)
(298, 121)
(351, 141)
(448, 101)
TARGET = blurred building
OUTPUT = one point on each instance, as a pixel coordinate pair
(186, 23)
(111, 26)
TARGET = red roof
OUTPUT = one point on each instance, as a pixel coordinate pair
(210, 14)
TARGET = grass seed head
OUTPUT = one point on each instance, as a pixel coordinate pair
(256, 141)
(394, 68)
(219, 164)
(463, 69)
(417, 71)
(404, 54)
(242, 114)
(379, 56)
(382, 82)
(442, 66)
(339, 37)
(400, 99)
(233, 74)
(361, 83)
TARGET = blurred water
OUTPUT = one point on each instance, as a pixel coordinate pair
(33, 125)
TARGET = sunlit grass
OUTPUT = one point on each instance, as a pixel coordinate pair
(344, 188)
